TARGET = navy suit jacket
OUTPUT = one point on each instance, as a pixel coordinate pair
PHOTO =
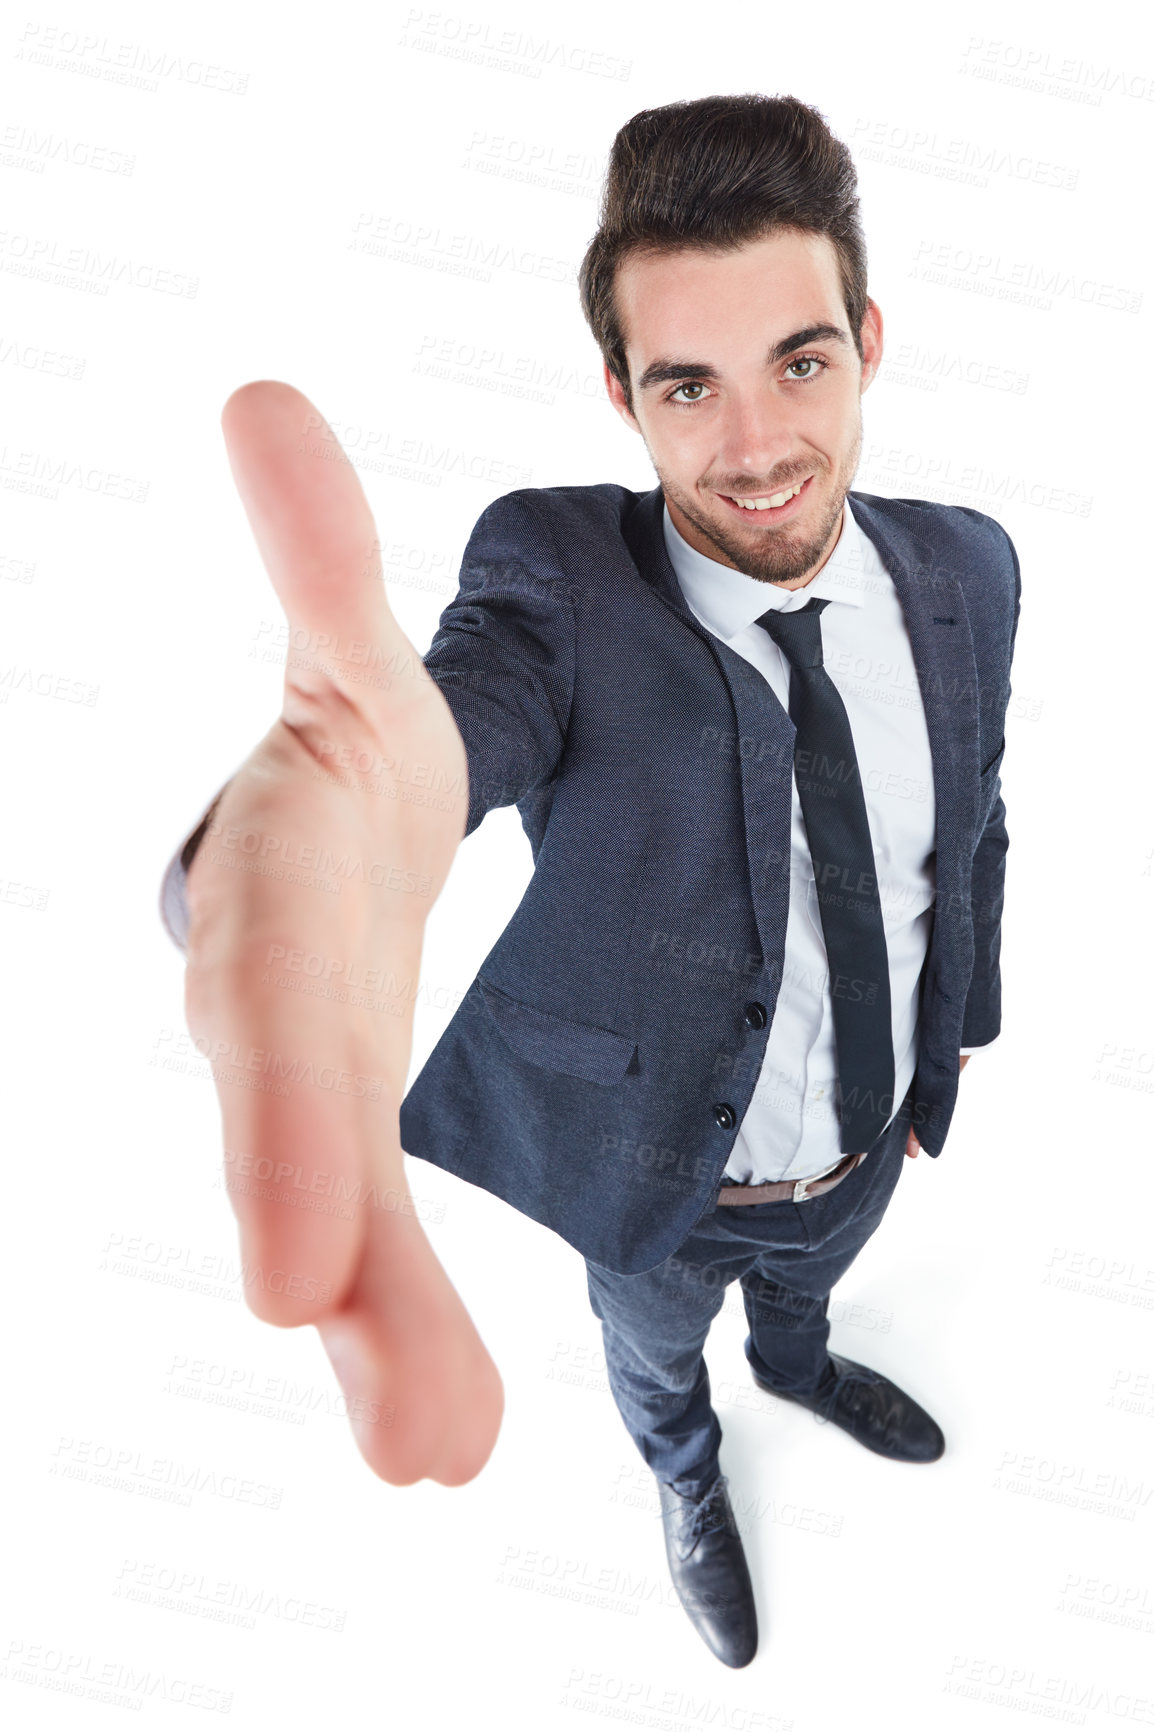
(586, 1074)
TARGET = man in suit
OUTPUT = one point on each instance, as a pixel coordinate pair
(753, 723)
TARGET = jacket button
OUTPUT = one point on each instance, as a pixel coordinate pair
(755, 1015)
(724, 1114)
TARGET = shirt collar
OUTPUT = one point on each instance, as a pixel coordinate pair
(728, 601)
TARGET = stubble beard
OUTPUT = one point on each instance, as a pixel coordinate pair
(777, 557)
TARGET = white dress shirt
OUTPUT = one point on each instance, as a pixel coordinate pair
(790, 1129)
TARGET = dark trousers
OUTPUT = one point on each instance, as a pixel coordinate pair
(787, 1257)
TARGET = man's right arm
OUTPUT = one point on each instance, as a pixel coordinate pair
(503, 657)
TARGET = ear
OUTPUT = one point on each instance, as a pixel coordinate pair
(616, 392)
(871, 342)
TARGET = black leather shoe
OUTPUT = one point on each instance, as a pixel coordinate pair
(872, 1409)
(707, 1563)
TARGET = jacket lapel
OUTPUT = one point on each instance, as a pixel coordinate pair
(942, 644)
(943, 649)
(767, 773)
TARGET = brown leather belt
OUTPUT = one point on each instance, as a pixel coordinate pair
(789, 1190)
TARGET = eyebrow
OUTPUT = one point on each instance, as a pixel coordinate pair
(662, 371)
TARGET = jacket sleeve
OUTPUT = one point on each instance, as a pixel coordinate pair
(503, 656)
(983, 1014)
(173, 897)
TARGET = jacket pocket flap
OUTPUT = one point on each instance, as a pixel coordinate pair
(597, 1055)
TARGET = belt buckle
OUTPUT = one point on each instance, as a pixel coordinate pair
(800, 1194)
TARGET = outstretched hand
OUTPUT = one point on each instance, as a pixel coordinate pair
(318, 869)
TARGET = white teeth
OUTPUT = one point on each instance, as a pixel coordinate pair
(774, 499)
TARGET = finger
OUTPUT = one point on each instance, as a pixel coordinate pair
(308, 1087)
(424, 1397)
(317, 539)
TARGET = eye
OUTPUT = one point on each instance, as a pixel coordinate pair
(682, 402)
(817, 364)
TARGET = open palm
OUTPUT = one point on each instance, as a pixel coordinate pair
(318, 870)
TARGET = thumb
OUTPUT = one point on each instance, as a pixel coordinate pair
(317, 538)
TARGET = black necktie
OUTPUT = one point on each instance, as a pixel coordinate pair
(833, 806)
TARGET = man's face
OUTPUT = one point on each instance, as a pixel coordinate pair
(745, 383)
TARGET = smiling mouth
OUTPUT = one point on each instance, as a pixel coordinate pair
(766, 502)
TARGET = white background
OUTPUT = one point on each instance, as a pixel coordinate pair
(1011, 1285)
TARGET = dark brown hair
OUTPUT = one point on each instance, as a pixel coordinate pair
(716, 173)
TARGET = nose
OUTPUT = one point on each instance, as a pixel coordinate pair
(757, 436)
